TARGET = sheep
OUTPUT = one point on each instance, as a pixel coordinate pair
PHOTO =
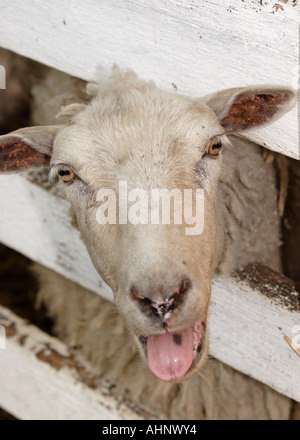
(132, 132)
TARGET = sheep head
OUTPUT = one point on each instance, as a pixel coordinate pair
(134, 143)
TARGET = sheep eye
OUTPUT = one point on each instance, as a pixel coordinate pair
(66, 174)
(214, 147)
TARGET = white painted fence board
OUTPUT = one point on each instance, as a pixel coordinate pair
(197, 47)
(33, 389)
(247, 332)
(247, 329)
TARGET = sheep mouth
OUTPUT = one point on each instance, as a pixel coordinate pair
(174, 355)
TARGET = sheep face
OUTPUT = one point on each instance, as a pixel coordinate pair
(121, 151)
(130, 154)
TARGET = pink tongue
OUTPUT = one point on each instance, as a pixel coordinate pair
(170, 355)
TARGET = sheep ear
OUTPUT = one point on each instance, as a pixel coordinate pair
(27, 148)
(248, 107)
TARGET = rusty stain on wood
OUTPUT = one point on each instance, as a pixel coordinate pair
(277, 6)
(55, 359)
(22, 339)
(58, 361)
(10, 330)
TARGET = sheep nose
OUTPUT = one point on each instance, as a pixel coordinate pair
(159, 303)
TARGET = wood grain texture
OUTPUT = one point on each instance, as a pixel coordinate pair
(185, 46)
(247, 332)
(247, 326)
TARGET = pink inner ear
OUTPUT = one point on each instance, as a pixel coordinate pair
(18, 156)
(252, 110)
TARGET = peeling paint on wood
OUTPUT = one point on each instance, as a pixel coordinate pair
(243, 317)
(10, 330)
(57, 361)
(22, 339)
(278, 288)
(54, 385)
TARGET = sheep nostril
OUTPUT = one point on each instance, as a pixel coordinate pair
(164, 306)
(185, 286)
(154, 311)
